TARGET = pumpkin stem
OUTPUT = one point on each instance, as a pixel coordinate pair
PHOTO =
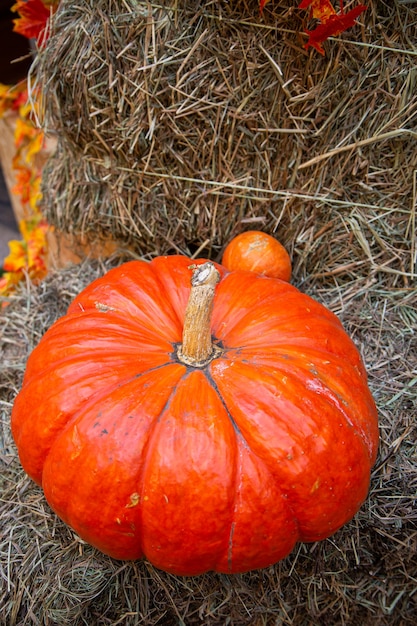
(197, 348)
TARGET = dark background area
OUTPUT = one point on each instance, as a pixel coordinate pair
(14, 48)
(8, 226)
(14, 64)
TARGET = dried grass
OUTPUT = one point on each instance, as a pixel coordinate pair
(349, 220)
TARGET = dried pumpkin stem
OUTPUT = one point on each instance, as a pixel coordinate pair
(197, 348)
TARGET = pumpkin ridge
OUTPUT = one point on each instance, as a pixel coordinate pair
(265, 372)
(71, 413)
(258, 326)
(212, 382)
(88, 426)
(117, 290)
(237, 557)
(206, 371)
(313, 371)
(150, 442)
(238, 293)
(223, 401)
(288, 447)
(243, 441)
(156, 443)
(109, 356)
(77, 335)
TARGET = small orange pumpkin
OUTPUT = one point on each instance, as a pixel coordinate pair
(258, 252)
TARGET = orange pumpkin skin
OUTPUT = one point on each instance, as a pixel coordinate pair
(258, 252)
(223, 467)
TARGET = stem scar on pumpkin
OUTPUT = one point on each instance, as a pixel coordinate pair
(134, 500)
(104, 308)
(197, 348)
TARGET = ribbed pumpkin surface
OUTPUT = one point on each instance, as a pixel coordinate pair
(221, 468)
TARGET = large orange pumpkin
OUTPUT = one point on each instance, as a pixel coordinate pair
(214, 460)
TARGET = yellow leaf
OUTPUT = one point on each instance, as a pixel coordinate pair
(8, 281)
(16, 259)
(34, 146)
(35, 195)
(24, 130)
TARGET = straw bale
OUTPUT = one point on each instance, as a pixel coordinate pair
(180, 123)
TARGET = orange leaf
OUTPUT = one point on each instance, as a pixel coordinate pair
(320, 9)
(22, 187)
(33, 18)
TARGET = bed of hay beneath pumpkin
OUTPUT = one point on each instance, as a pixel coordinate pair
(349, 221)
(364, 574)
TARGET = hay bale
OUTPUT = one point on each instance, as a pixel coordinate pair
(365, 574)
(180, 123)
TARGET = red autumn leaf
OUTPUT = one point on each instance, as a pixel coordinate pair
(33, 15)
(332, 23)
(333, 26)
